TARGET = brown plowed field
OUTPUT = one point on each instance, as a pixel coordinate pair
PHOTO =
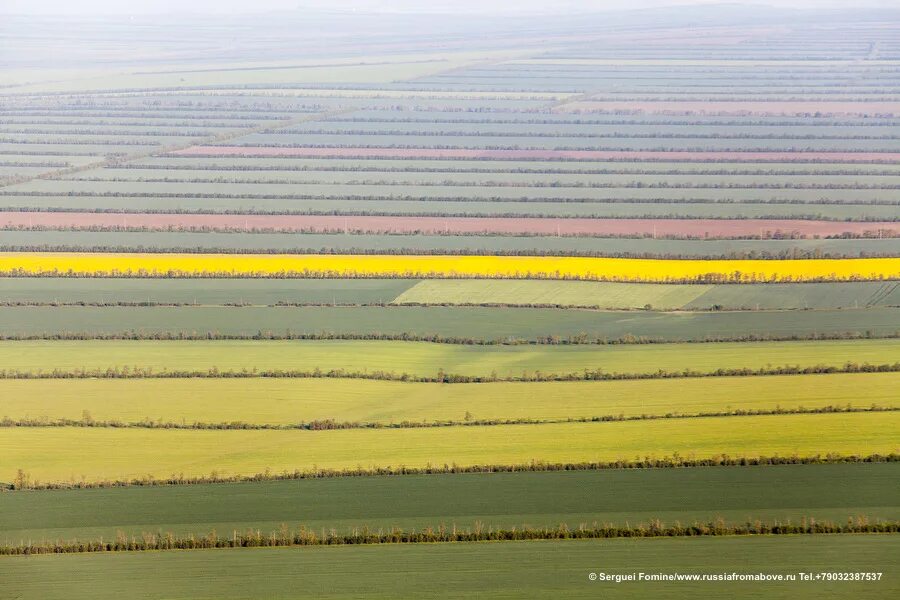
(776, 108)
(466, 153)
(660, 227)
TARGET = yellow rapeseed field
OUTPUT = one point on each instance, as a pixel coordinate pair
(544, 267)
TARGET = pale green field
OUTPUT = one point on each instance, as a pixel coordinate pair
(552, 570)
(289, 401)
(571, 293)
(425, 359)
(659, 296)
(73, 454)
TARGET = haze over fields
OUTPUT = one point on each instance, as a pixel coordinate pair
(463, 299)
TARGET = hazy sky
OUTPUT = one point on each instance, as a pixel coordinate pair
(125, 7)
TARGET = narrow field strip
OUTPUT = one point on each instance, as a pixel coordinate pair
(631, 295)
(497, 500)
(294, 243)
(504, 267)
(547, 569)
(331, 402)
(829, 108)
(43, 453)
(488, 154)
(501, 292)
(702, 228)
(423, 359)
(444, 324)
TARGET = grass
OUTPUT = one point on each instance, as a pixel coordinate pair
(281, 401)
(64, 454)
(425, 359)
(500, 500)
(474, 323)
(502, 570)
(514, 267)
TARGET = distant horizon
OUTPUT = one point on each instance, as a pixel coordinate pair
(485, 7)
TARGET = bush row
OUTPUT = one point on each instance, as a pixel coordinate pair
(791, 253)
(514, 184)
(434, 338)
(136, 372)
(23, 480)
(412, 198)
(286, 537)
(382, 213)
(717, 278)
(332, 424)
(778, 234)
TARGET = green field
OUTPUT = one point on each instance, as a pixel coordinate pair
(594, 294)
(205, 291)
(425, 359)
(502, 570)
(476, 323)
(58, 454)
(283, 401)
(501, 500)
(659, 296)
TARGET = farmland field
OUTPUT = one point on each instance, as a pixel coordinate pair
(426, 359)
(280, 402)
(458, 323)
(159, 453)
(786, 492)
(574, 226)
(464, 286)
(535, 569)
(458, 291)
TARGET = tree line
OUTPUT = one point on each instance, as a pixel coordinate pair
(582, 338)
(778, 234)
(588, 147)
(413, 198)
(136, 372)
(87, 421)
(354, 168)
(24, 481)
(286, 537)
(716, 278)
(777, 121)
(561, 134)
(382, 213)
(793, 253)
(513, 184)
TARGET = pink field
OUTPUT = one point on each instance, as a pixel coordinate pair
(386, 224)
(778, 108)
(466, 153)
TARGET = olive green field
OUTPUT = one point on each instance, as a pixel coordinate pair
(427, 359)
(270, 401)
(477, 323)
(785, 493)
(44, 453)
(588, 294)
